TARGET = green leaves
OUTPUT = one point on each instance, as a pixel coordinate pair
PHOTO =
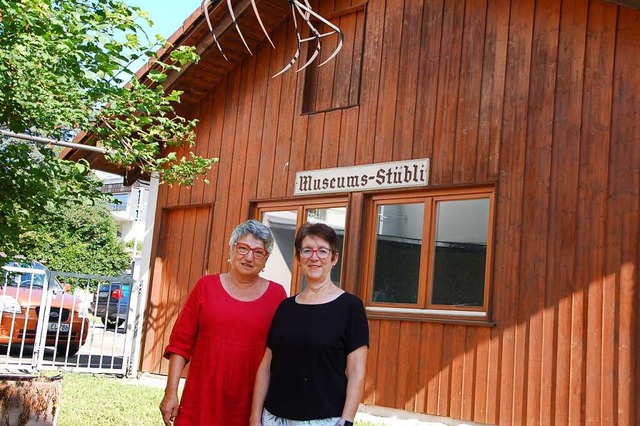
(63, 68)
(35, 185)
(78, 238)
(64, 64)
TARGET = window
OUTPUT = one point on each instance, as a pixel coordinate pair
(336, 84)
(460, 252)
(120, 204)
(397, 253)
(284, 219)
(429, 253)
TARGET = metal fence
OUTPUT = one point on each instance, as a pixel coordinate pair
(62, 321)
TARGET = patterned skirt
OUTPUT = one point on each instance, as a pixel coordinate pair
(269, 419)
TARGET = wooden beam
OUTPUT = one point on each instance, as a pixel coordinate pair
(207, 41)
(634, 4)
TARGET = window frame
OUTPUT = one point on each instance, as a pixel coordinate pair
(302, 206)
(423, 309)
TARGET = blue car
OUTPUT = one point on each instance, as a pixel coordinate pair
(111, 303)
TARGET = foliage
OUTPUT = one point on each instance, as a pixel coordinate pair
(34, 185)
(64, 69)
(63, 65)
(134, 246)
(80, 239)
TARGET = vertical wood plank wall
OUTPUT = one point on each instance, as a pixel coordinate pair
(541, 97)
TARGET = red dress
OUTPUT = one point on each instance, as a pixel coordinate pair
(224, 339)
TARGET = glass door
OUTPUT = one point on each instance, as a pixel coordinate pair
(284, 219)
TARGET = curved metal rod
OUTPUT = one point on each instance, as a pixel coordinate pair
(299, 41)
(235, 23)
(299, 9)
(264, 30)
(305, 12)
(306, 16)
(213, 34)
(317, 35)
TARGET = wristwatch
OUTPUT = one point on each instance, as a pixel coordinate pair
(347, 423)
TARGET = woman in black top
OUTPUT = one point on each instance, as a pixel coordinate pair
(314, 366)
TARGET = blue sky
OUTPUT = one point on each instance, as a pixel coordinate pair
(167, 15)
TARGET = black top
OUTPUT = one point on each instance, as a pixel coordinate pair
(310, 344)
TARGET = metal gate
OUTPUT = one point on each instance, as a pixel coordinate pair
(63, 321)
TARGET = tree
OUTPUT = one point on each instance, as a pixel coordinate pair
(64, 68)
(34, 186)
(80, 240)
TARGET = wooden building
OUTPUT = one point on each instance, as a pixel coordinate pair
(501, 288)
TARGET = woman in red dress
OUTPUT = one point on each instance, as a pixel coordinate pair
(222, 331)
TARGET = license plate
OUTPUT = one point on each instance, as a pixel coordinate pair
(103, 294)
(53, 326)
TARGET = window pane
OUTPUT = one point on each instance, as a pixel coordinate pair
(122, 205)
(397, 258)
(335, 217)
(280, 263)
(460, 252)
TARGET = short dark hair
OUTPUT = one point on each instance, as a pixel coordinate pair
(317, 230)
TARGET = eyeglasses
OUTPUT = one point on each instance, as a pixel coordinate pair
(322, 252)
(244, 249)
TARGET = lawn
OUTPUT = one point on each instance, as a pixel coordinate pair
(100, 400)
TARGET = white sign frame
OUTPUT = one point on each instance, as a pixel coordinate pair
(368, 177)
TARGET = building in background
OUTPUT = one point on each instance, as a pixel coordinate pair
(129, 212)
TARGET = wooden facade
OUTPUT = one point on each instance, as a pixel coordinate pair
(539, 100)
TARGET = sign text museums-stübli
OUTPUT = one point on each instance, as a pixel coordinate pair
(396, 174)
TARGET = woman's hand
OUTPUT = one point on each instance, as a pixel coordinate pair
(169, 407)
(263, 376)
(255, 421)
(356, 369)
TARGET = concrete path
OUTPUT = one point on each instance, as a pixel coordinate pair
(366, 413)
(388, 416)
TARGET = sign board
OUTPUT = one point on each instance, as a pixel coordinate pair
(397, 174)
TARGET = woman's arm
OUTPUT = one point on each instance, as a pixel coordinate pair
(170, 402)
(260, 389)
(356, 369)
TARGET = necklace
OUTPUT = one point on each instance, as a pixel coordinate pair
(248, 293)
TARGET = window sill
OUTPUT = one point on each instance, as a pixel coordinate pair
(430, 315)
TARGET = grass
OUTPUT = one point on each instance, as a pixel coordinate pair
(100, 400)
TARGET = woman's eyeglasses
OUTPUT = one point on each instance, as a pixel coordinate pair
(244, 249)
(322, 252)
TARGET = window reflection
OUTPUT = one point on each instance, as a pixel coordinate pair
(460, 252)
(335, 217)
(280, 264)
(283, 225)
(397, 256)
(121, 202)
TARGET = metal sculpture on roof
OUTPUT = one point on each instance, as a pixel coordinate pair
(300, 11)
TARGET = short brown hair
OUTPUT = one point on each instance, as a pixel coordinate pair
(317, 230)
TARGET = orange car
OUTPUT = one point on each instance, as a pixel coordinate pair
(21, 301)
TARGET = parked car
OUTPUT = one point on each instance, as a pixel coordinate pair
(111, 303)
(20, 306)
